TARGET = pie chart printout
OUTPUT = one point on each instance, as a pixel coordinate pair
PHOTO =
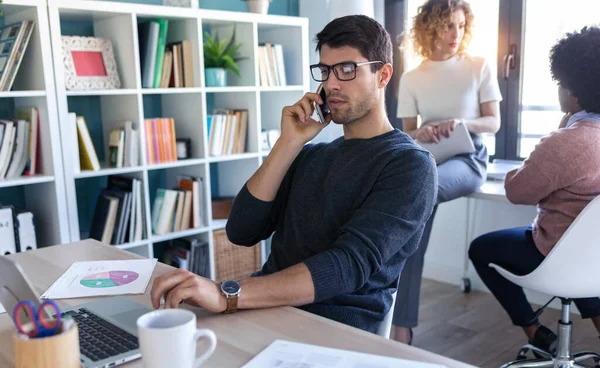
(109, 279)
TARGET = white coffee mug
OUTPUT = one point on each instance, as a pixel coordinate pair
(168, 338)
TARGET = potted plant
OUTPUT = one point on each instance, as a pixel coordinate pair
(220, 57)
(258, 6)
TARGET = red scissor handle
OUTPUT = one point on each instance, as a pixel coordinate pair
(28, 308)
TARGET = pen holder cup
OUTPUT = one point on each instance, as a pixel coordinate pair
(58, 351)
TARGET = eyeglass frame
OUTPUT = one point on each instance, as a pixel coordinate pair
(331, 67)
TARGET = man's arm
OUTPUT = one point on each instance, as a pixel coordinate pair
(292, 286)
(397, 208)
(256, 208)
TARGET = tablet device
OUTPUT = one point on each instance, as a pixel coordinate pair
(459, 142)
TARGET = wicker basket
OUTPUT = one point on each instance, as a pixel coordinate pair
(233, 262)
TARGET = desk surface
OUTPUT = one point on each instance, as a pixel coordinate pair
(240, 335)
(492, 190)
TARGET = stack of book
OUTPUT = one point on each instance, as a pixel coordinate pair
(161, 145)
(164, 64)
(17, 231)
(119, 216)
(19, 141)
(123, 146)
(189, 254)
(271, 66)
(227, 130)
(14, 39)
(180, 208)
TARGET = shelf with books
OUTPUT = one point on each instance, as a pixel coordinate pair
(39, 199)
(106, 133)
(233, 123)
(178, 200)
(190, 252)
(187, 109)
(168, 52)
(177, 116)
(112, 209)
(30, 147)
(280, 63)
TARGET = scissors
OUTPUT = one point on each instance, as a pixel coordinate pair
(41, 327)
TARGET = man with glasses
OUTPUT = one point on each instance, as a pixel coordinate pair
(344, 215)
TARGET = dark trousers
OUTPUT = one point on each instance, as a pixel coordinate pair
(515, 251)
(456, 178)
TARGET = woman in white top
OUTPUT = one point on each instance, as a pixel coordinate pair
(449, 87)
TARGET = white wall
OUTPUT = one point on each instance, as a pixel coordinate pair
(321, 12)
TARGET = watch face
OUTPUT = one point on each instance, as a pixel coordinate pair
(230, 287)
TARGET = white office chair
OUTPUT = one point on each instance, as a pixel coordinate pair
(569, 271)
(385, 328)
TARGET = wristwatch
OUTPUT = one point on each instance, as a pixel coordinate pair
(231, 289)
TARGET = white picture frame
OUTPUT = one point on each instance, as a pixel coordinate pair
(89, 63)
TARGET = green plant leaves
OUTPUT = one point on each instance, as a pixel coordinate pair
(222, 53)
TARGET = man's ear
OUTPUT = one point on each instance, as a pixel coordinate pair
(385, 74)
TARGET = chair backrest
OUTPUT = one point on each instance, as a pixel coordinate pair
(385, 328)
(572, 268)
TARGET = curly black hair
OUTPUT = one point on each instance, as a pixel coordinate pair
(575, 65)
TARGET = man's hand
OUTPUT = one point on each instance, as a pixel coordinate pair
(183, 286)
(445, 127)
(428, 134)
(297, 125)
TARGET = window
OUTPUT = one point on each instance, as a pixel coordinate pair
(546, 21)
(486, 14)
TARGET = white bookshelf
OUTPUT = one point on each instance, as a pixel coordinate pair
(188, 106)
(43, 194)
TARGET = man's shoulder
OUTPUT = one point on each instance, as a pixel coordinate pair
(404, 150)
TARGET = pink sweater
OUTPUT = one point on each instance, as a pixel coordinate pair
(561, 177)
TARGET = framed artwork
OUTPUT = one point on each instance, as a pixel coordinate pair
(89, 63)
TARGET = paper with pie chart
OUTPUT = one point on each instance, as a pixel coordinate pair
(102, 278)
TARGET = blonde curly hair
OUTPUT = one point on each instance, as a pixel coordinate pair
(432, 20)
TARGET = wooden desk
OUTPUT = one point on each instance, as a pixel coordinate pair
(240, 335)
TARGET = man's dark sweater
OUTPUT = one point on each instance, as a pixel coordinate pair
(352, 211)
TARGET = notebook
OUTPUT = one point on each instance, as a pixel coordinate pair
(459, 142)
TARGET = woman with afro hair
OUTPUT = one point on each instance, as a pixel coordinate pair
(561, 176)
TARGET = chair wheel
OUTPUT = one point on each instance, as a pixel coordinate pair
(465, 285)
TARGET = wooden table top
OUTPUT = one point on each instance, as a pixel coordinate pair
(241, 335)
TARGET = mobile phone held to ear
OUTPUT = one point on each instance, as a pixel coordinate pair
(323, 109)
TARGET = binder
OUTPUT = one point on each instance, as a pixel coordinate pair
(26, 231)
(9, 240)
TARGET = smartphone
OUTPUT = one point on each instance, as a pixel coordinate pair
(323, 109)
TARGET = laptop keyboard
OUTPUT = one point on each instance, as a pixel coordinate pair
(100, 339)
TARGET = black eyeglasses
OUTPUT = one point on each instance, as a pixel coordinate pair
(343, 71)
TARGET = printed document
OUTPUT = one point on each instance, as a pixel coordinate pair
(287, 354)
(101, 278)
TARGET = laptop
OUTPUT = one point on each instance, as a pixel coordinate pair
(459, 142)
(498, 169)
(107, 327)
